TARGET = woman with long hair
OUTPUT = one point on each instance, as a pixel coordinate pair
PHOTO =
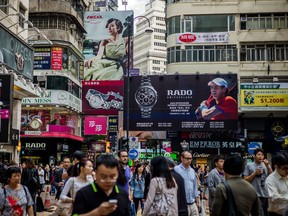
(137, 185)
(78, 179)
(162, 195)
(15, 198)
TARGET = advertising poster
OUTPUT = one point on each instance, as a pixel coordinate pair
(105, 48)
(102, 97)
(95, 125)
(182, 103)
(6, 93)
(264, 96)
(16, 54)
(216, 37)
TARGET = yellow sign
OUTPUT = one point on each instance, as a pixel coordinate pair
(264, 95)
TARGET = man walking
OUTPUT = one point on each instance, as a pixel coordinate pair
(277, 186)
(215, 177)
(124, 171)
(190, 182)
(245, 196)
(256, 173)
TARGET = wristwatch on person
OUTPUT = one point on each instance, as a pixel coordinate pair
(146, 97)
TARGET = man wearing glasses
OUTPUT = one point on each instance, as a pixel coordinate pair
(124, 171)
(102, 197)
(190, 182)
(277, 186)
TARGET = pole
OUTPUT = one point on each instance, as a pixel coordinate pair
(128, 83)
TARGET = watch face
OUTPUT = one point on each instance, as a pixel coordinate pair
(96, 101)
(146, 96)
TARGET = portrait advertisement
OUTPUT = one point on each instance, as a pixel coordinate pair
(105, 47)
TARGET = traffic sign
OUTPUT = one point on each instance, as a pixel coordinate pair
(252, 146)
(133, 154)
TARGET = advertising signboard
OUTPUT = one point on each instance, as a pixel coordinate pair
(56, 58)
(95, 125)
(182, 102)
(264, 96)
(105, 47)
(102, 97)
(42, 58)
(189, 38)
(15, 53)
(6, 93)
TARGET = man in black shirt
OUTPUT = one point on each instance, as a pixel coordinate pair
(181, 195)
(95, 199)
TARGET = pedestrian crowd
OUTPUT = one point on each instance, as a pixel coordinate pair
(161, 188)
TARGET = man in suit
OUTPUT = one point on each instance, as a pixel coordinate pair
(58, 179)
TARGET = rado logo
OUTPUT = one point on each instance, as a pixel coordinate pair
(202, 155)
(179, 92)
(35, 145)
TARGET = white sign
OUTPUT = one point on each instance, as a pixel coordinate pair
(36, 133)
(56, 97)
(35, 146)
(189, 37)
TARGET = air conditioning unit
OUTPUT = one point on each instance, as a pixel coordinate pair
(243, 19)
(73, 26)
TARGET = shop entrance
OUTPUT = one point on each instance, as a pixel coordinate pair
(202, 162)
(6, 156)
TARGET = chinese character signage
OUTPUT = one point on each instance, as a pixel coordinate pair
(95, 125)
(105, 48)
(102, 97)
(189, 38)
(56, 58)
(6, 93)
(15, 53)
(264, 96)
(182, 103)
(42, 58)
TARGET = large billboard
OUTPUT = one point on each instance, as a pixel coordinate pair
(105, 48)
(264, 96)
(16, 54)
(182, 102)
(102, 97)
(6, 88)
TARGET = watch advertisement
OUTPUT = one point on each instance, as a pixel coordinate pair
(95, 125)
(108, 44)
(6, 93)
(182, 102)
(102, 97)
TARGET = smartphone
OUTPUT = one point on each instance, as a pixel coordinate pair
(113, 201)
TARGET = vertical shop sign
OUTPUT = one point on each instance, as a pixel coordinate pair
(56, 59)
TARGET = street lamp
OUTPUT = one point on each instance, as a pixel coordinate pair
(148, 30)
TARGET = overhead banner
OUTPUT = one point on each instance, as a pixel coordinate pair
(264, 96)
(6, 93)
(95, 125)
(15, 53)
(189, 38)
(182, 103)
(105, 47)
(102, 97)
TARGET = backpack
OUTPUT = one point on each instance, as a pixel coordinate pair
(3, 177)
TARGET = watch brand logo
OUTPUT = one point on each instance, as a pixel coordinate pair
(179, 92)
(35, 146)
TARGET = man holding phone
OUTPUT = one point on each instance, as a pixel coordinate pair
(102, 197)
(256, 173)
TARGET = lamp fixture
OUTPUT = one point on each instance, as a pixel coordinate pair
(255, 80)
(275, 79)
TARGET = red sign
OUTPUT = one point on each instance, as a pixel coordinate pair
(95, 125)
(4, 113)
(187, 38)
(56, 58)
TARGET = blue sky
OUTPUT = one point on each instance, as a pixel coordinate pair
(137, 5)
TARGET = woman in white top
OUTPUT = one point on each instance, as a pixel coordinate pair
(78, 179)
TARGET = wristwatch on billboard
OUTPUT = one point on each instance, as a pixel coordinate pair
(146, 97)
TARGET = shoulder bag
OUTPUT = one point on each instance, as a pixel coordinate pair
(65, 208)
(232, 209)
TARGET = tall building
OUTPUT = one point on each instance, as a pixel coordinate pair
(51, 124)
(103, 5)
(150, 50)
(16, 73)
(244, 37)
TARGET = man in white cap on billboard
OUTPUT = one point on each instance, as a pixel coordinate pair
(219, 106)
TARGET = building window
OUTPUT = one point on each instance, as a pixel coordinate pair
(4, 9)
(22, 20)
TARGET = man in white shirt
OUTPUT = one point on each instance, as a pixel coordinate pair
(277, 186)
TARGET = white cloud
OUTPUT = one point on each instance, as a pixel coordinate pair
(138, 6)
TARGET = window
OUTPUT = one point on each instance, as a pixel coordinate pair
(22, 20)
(4, 2)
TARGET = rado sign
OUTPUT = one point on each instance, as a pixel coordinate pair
(35, 146)
(202, 155)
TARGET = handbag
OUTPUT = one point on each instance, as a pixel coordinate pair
(64, 208)
(161, 202)
(232, 208)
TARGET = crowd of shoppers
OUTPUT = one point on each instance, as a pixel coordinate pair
(158, 188)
